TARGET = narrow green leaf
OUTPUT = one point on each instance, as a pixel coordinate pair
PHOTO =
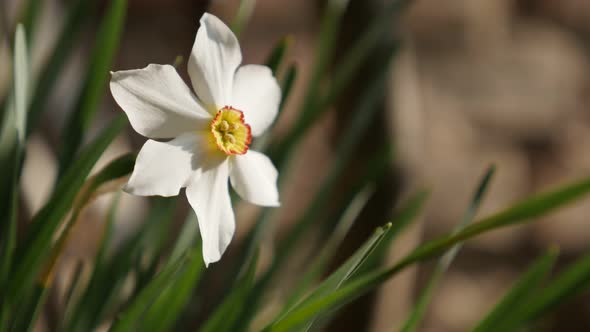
(568, 284)
(327, 252)
(167, 308)
(277, 56)
(519, 213)
(116, 169)
(243, 15)
(366, 110)
(21, 91)
(407, 214)
(36, 246)
(516, 300)
(107, 41)
(46, 82)
(130, 318)
(345, 153)
(102, 295)
(339, 277)
(188, 236)
(445, 261)
(74, 285)
(331, 22)
(12, 150)
(226, 315)
(29, 17)
(315, 104)
(361, 49)
(154, 239)
(332, 283)
(27, 314)
(375, 167)
(21, 82)
(75, 302)
(288, 82)
(352, 264)
(8, 142)
(107, 235)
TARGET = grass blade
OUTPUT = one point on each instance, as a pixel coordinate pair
(167, 308)
(339, 277)
(21, 83)
(375, 167)
(187, 238)
(445, 261)
(361, 49)
(315, 104)
(73, 302)
(107, 41)
(288, 83)
(404, 218)
(516, 300)
(29, 17)
(21, 92)
(243, 16)
(366, 112)
(76, 18)
(277, 56)
(102, 295)
(320, 263)
(73, 287)
(15, 152)
(331, 22)
(36, 246)
(517, 214)
(129, 319)
(11, 157)
(94, 187)
(367, 109)
(568, 284)
(225, 317)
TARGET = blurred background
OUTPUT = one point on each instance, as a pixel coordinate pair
(472, 83)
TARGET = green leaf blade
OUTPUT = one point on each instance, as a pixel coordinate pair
(570, 283)
(502, 317)
(167, 308)
(277, 55)
(226, 316)
(130, 318)
(107, 41)
(339, 277)
(519, 213)
(35, 247)
(64, 47)
(445, 261)
(21, 92)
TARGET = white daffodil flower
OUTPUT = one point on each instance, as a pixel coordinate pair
(211, 131)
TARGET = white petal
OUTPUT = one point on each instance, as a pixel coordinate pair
(157, 101)
(257, 94)
(162, 168)
(214, 59)
(208, 195)
(254, 177)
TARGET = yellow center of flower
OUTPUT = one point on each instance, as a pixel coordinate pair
(229, 131)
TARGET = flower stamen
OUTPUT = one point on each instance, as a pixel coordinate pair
(229, 131)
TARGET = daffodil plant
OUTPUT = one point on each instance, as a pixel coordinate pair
(200, 137)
